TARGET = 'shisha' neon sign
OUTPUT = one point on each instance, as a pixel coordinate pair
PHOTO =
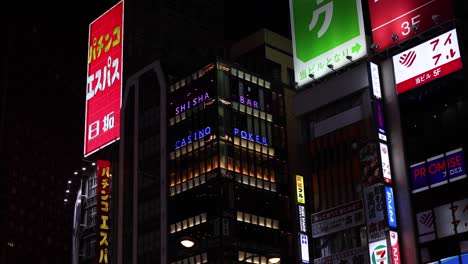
(191, 103)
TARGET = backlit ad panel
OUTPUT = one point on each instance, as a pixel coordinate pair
(326, 35)
(426, 62)
(404, 19)
(104, 80)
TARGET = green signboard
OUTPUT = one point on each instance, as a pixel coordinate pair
(327, 35)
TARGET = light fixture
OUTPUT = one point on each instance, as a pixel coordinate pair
(83, 169)
(312, 76)
(394, 37)
(271, 258)
(65, 200)
(274, 260)
(374, 46)
(69, 181)
(349, 57)
(94, 163)
(330, 66)
(415, 28)
(436, 18)
(75, 173)
(187, 242)
(67, 191)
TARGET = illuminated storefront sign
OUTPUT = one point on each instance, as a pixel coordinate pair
(103, 192)
(385, 160)
(395, 246)
(426, 62)
(192, 103)
(337, 219)
(302, 218)
(304, 242)
(375, 219)
(379, 114)
(300, 189)
(326, 35)
(438, 170)
(391, 213)
(375, 80)
(250, 136)
(402, 17)
(192, 137)
(248, 102)
(378, 252)
(104, 81)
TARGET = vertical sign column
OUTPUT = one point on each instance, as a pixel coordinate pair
(379, 198)
(103, 211)
(303, 238)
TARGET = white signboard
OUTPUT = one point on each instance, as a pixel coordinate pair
(303, 240)
(374, 203)
(385, 159)
(337, 219)
(378, 252)
(427, 61)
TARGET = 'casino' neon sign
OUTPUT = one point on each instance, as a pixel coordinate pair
(250, 136)
(192, 137)
(191, 103)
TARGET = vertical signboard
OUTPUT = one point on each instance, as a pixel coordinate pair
(391, 210)
(304, 246)
(378, 252)
(404, 19)
(300, 189)
(385, 160)
(326, 35)
(395, 246)
(426, 62)
(104, 80)
(103, 211)
(374, 204)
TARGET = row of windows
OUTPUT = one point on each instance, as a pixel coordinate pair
(187, 223)
(257, 220)
(197, 259)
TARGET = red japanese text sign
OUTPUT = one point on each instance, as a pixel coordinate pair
(405, 19)
(104, 80)
(103, 190)
(426, 62)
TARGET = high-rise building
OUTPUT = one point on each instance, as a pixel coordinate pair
(227, 166)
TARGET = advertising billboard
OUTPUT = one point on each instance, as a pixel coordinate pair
(378, 252)
(326, 36)
(405, 18)
(374, 199)
(337, 219)
(396, 259)
(300, 189)
(103, 192)
(391, 210)
(104, 80)
(426, 62)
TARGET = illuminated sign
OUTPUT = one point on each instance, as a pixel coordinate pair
(375, 219)
(426, 62)
(326, 35)
(378, 252)
(248, 102)
(192, 137)
(379, 114)
(385, 160)
(250, 136)
(395, 248)
(426, 228)
(438, 170)
(103, 192)
(300, 189)
(375, 80)
(337, 219)
(455, 164)
(302, 218)
(104, 81)
(303, 240)
(418, 177)
(192, 103)
(391, 213)
(402, 17)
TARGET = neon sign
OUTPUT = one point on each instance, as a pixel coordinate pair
(192, 137)
(191, 103)
(250, 136)
(248, 102)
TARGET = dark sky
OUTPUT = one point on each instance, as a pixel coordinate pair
(46, 58)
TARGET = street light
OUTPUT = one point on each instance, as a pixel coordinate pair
(187, 242)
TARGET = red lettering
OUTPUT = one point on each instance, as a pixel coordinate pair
(454, 162)
(436, 167)
(421, 172)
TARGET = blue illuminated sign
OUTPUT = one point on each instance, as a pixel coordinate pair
(250, 136)
(391, 213)
(192, 137)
